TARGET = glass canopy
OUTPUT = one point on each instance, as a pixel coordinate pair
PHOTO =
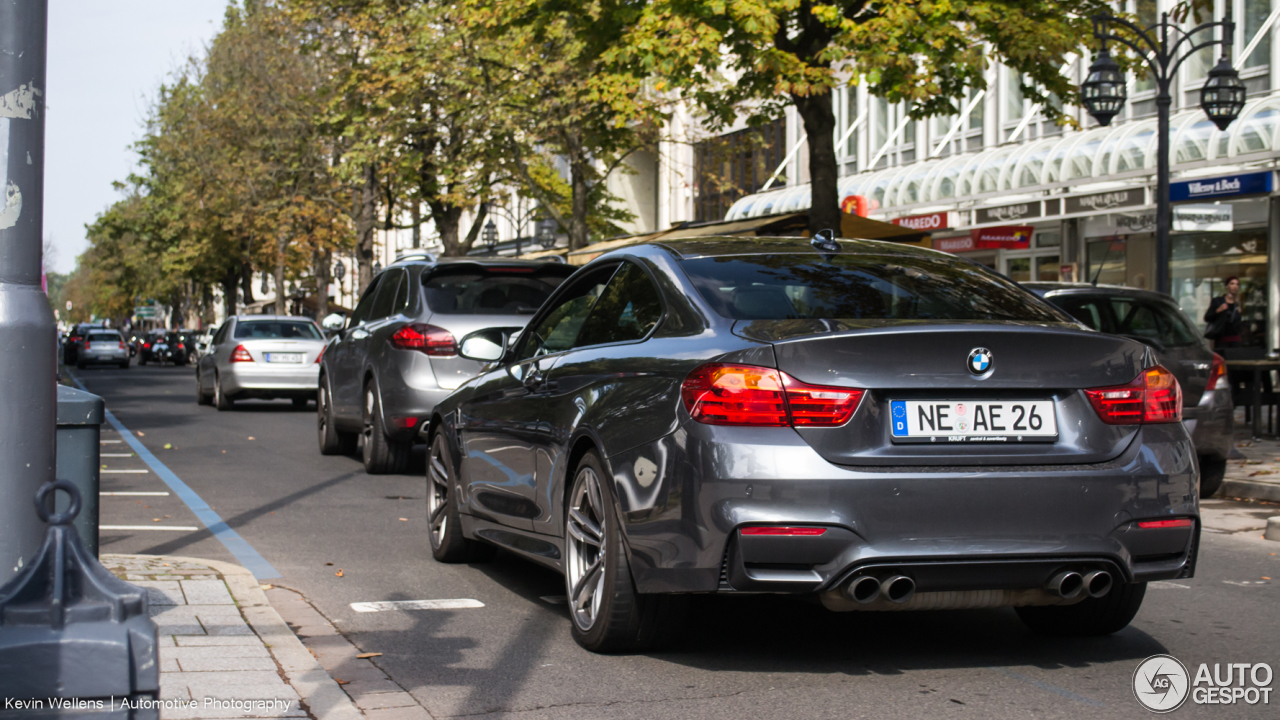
(1079, 157)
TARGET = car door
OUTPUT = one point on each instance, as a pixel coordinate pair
(498, 423)
(207, 365)
(386, 317)
(345, 365)
(611, 365)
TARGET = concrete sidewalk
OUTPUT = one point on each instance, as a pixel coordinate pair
(224, 650)
(1255, 474)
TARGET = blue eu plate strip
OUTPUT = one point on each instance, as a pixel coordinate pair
(898, 412)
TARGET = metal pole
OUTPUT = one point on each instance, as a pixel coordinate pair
(28, 395)
(1163, 250)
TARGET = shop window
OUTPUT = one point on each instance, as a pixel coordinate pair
(734, 165)
(1048, 239)
(1203, 261)
(1254, 14)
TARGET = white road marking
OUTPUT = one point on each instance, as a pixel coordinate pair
(1166, 585)
(416, 605)
(175, 528)
(554, 599)
(155, 494)
(1246, 583)
(115, 454)
(109, 442)
(118, 472)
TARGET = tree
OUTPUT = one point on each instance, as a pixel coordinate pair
(759, 55)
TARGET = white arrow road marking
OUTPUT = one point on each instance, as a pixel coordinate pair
(1246, 583)
(108, 442)
(416, 605)
(131, 493)
(119, 472)
(115, 454)
(175, 528)
(1166, 585)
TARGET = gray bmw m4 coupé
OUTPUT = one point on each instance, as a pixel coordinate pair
(882, 426)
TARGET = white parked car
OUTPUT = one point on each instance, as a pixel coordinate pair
(261, 356)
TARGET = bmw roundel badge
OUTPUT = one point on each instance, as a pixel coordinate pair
(979, 361)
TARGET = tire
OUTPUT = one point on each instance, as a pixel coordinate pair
(448, 544)
(1091, 617)
(300, 403)
(381, 455)
(332, 440)
(124, 365)
(201, 397)
(220, 399)
(1212, 472)
(606, 612)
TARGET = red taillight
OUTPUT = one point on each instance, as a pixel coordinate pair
(782, 530)
(1217, 371)
(146, 346)
(181, 346)
(405, 422)
(321, 355)
(122, 347)
(760, 396)
(240, 355)
(87, 344)
(1153, 397)
(1174, 523)
(427, 339)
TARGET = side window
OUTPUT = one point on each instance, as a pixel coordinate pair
(558, 330)
(221, 335)
(387, 291)
(361, 314)
(401, 303)
(1086, 310)
(627, 310)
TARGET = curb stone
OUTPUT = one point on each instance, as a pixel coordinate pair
(323, 697)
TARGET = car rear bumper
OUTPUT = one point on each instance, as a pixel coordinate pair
(241, 378)
(90, 357)
(683, 519)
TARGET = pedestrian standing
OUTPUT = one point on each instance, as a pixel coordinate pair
(1224, 322)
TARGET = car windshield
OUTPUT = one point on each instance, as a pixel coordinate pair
(277, 330)
(873, 287)
(492, 291)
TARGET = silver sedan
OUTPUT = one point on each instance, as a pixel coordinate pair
(261, 356)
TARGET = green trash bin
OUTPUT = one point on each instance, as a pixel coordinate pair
(80, 416)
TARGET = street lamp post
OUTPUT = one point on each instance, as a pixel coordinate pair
(1161, 47)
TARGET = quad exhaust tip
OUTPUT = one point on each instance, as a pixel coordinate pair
(898, 589)
(1068, 584)
(863, 589)
(1097, 583)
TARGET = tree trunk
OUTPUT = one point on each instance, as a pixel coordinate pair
(820, 126)
(229, 292)
(366, 219)
(579, 169)
(417, 224)
(246, 283)
(323, 260)
(448, 219)
(282, 301)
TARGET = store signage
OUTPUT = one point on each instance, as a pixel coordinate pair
(1112, 224)
(1246, 184)
(954, 245)
(1203, 218)
(1005, 213)
(1105, 201)
(1004, 236)
(932, 221)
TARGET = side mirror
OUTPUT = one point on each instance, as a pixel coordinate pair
(334, 322)
(484, 345)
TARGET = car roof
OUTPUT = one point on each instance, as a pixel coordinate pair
(273, 317)
(735, 245)
(498, 261)
(1060, 288)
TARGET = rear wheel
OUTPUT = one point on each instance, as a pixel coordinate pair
(607, 613)
(220, 399)
(448, 544)
(1212, 472)
(332, 440)
(1092, 616)
(381, 454)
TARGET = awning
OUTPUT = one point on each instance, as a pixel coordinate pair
(789, 224)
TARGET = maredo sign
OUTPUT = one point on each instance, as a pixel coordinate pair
(1010, 237)
(932, 221)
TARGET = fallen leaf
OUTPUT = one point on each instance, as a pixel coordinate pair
(365, 656)
(266, 586)
(328, 563)
(165, 564)
(273, 512)
(1259, 472)
(155, 519)
(1264, 577)
(166, 516)
(168, 446)
(339, 573)
(141, 434)
(341, 681)
(224, 452)
(250, 437)
(404, 519)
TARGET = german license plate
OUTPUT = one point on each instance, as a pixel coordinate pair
(284, 357)
(973, 421)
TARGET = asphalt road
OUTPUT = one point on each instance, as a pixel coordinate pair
(310, 516)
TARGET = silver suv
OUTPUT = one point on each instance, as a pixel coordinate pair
(397, 356)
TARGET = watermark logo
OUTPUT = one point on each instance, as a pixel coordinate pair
(1161, 683)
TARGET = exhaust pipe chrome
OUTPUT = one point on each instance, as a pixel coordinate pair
(862, 589)
(898, 589)
(1066, 584)
(1097, 583)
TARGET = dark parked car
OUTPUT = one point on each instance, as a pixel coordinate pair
(880, 426)
(397, 355)
(75, 340)
(1156, 320)
(154, 347)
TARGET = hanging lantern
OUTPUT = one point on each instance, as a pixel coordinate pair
(1222, 97)
(490, 235)
(547, 233)
(1103, 92)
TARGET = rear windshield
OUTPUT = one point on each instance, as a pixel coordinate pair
(874, 287)
(497, 291)
(104, 337)
(276, 330)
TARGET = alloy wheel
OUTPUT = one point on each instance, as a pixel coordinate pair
(322, 411)
(437, 494)
(586, 528)
(366, 430)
